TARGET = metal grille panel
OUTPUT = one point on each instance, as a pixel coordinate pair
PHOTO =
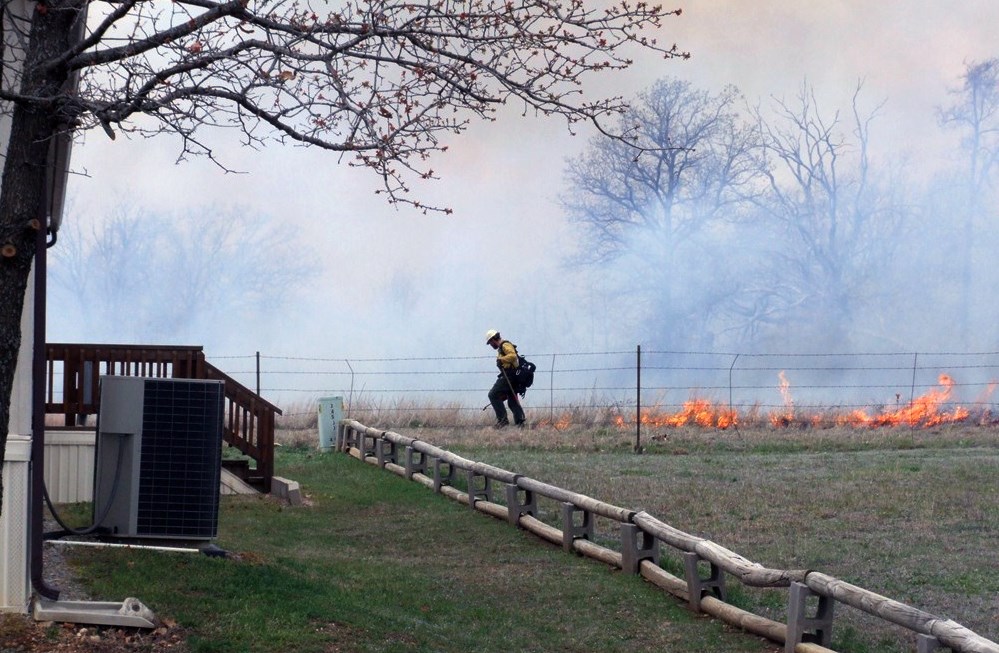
(180, 459)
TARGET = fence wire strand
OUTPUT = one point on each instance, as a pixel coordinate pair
(606, 381)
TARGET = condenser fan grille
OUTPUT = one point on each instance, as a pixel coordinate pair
(180, 463)
(159, 457)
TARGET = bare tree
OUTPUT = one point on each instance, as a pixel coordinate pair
(218, 267)
(833, 223)
(655, 213)
(378, 82)
(975, 112)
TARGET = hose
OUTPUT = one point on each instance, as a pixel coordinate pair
(86, 530)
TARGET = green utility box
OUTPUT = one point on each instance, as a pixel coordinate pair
(330, 416)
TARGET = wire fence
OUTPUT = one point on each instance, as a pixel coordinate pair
(637, 383)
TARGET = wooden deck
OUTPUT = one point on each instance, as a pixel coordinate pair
(73, 392)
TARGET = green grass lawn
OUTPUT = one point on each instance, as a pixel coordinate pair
(378, 563)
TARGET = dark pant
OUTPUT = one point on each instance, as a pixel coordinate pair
(501, 392)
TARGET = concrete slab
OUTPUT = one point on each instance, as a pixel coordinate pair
(130, 613)
(287, 490)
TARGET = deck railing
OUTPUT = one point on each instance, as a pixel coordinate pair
(73, 391)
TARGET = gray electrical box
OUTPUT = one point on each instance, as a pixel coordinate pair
(159, 457)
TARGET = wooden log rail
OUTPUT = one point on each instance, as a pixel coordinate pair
(808, 629)
(248, 418)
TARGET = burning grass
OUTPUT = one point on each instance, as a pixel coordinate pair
(934, 408)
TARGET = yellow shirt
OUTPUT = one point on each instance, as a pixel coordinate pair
(507, 355)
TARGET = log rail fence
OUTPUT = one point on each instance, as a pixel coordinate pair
(812, 595)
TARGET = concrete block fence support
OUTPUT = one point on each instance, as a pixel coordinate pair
(485, 492)
(443, 474)
(416, 463)
(570, 530)
(368, 444)
(516, 506)
(816, 629)
(348, 439)
(637, 545)
(387, 452)
(697, 585)
(927, 644)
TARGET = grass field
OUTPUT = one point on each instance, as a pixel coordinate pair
(377, 563)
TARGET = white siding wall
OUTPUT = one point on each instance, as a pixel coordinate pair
(69, 465)
(14, 580)
(15, 552)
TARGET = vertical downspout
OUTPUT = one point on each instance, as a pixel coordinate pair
(35, 517)
(49, 219)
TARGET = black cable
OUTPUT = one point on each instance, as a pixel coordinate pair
(86, 530)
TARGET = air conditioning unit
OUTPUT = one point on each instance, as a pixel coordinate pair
(158, 457)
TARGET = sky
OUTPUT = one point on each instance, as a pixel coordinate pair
(391, 281)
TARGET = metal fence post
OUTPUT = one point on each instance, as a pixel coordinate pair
(731, 367)
(638, 400)
(551, 393)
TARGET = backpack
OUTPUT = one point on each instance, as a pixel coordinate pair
(523, 376)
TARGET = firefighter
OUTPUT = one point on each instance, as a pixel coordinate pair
(507, 360)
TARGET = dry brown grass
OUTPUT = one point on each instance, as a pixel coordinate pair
(695, 416)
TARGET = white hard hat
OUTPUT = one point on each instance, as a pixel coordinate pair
(490, 334)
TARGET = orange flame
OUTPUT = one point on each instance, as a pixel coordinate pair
(560, 423)
(923, 411)
(786, 416)
(696, 412)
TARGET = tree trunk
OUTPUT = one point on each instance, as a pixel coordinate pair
(22, 187)
(18, 205)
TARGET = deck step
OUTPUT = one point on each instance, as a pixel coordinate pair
(231, 484)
